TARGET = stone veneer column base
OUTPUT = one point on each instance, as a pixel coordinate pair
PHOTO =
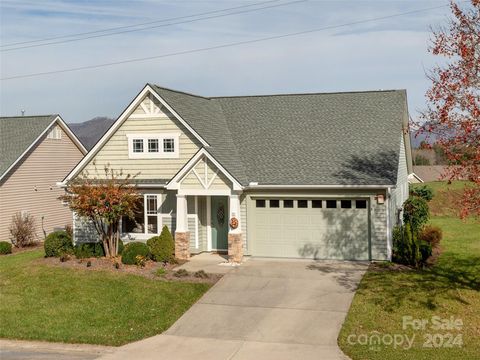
(235, 247)
(182, 245)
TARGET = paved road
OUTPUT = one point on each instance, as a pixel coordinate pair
(33, 350)
(264, 309)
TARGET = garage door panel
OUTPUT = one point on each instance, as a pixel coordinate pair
(317, 233)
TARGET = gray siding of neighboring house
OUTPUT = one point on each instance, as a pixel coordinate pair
(31, 186)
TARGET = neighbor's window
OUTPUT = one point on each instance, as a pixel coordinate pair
(346, 204)
(331, 204)
(302, 203)
(137, 145)
(274, 203)
(260, 203)
(316, 204)
(153, 145)
(168, 145)
(361, 204)
(288, 203)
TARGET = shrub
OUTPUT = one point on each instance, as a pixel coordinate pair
(22, 230)
(87, 250)
(5, 248)
(421, 160)
(58, 243)
(161, 272)
(405, 246)
(132, 250)
(424, 191)
(162, 247)
(425, 250)
(431, 234)
(201, 274)
(181, 273)
(415, 212)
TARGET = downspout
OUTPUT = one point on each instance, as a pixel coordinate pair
(389, 230)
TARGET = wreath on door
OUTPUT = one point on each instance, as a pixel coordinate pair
(221, 214)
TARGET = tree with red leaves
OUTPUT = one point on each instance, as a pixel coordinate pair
(103, 200)
(453, 112)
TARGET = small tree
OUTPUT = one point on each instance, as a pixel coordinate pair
(453, 112)
(104, 201)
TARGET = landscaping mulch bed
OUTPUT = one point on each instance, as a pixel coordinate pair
(151, 270)
(37, 245)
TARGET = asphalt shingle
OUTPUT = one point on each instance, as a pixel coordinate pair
(350, 138)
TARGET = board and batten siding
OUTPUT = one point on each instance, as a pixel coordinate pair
(31, 186)
(115, 150)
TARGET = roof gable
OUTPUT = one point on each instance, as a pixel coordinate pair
(18, 134)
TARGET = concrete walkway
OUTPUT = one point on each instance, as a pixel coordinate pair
(264, 309)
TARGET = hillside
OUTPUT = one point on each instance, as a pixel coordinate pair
(89, 132)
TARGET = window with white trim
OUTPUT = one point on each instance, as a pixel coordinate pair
(151, 146)
(55, 133)
(146, 213)
(138, 145)
(169, 145)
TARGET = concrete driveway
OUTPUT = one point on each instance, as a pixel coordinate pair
(264, 309)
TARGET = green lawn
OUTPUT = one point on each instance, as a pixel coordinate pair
(40, 302)
(450, 288)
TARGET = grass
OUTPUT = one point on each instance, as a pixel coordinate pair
(450, 288)
(40, 302)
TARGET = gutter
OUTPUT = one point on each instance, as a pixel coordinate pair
(253, 186)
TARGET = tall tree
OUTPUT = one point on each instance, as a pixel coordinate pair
(103, 200)
(453, 112)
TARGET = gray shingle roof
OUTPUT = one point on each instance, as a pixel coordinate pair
(17, 134)
(348, 138)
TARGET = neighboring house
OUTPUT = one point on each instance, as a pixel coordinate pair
(36, 152)
(305, 175)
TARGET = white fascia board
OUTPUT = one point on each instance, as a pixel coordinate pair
(413, 175)
(174, 183)
(70, 134)
(28, 149)
(318, 187)
(123, 116)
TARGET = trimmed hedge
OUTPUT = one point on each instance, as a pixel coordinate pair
(5, 248)
(162, 248)
(58, 243)
(132, 250)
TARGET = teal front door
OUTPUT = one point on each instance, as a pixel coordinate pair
(219, 217)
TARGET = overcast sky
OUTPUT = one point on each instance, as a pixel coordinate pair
(382, 54)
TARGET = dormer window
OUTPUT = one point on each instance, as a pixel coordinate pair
(153, 146)
(169, 145)
(138, 145)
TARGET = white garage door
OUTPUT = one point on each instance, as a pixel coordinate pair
(310, 228)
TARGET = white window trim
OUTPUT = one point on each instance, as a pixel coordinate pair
(154, 155)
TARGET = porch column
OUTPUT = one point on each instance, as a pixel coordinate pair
(182, 236)
(235, 241)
